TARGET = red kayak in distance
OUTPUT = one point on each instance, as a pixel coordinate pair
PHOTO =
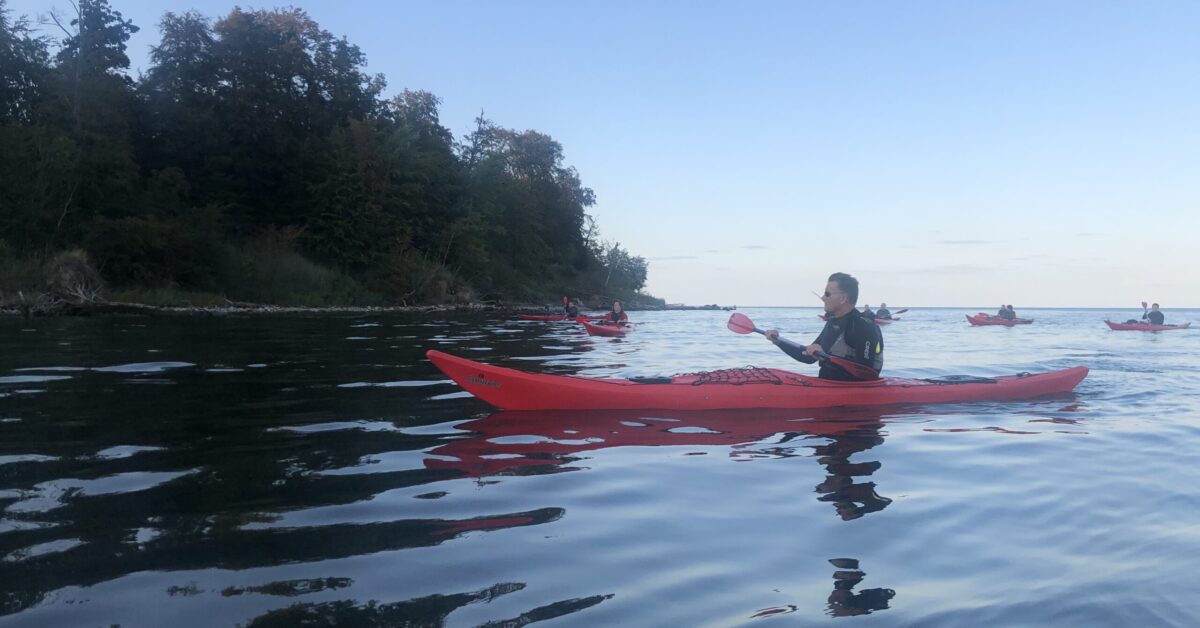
(601, 328)
(1144, 326)
(510, 389)
(982, 319)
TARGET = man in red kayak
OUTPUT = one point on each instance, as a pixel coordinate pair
(1154, 316)
(847, 333)
(883, 312)
(616, 316)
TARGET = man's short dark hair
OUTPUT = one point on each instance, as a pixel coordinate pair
(846, 284)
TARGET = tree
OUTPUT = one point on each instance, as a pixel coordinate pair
(181, 129)
(24, 63)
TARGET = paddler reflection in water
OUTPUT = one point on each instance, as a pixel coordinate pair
(851, 499)
(844, 602)
(847, 334)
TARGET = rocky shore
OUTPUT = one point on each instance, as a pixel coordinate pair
(21, 307)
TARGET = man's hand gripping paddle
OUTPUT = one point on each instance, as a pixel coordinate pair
(741, 324)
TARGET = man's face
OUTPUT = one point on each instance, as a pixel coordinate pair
(833, 298)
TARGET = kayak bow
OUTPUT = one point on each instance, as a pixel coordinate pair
(594, 329)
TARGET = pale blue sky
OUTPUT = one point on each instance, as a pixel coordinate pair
(946, 153)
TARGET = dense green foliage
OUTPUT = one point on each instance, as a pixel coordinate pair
(257, 159)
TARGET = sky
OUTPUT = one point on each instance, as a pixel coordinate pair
(946, 153)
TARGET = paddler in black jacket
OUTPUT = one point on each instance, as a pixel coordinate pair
(1154, 316)
(847, 334)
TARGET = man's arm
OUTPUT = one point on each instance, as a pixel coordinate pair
(796, 352)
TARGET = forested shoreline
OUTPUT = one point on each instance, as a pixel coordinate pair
(256, 160)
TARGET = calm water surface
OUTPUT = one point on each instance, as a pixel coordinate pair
(283, 471)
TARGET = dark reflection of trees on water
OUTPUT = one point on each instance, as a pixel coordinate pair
(432, 610)
(28, 581)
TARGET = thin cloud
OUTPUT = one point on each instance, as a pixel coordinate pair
(969, 241)
(710, 251)
(671, 257)
(753, 246)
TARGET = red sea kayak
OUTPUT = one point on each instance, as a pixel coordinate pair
(604, 330)
(982, 319)
(1144, 326)
(733, 389)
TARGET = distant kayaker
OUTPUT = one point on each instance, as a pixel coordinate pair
(866, 311)
(572, 309)
(847, 334)
(1007, 312)
(1154, 316)
(883, 312)
(616, 316)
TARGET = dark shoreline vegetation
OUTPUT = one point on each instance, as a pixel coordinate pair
(256, 161)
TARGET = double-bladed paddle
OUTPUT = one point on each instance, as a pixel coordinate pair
(741, 324)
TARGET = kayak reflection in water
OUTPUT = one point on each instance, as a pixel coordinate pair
(847, 334)
(851, 500)
(616, 316)
(883, 312)
(844, 602)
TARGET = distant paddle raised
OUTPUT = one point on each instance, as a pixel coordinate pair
(741, 324)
